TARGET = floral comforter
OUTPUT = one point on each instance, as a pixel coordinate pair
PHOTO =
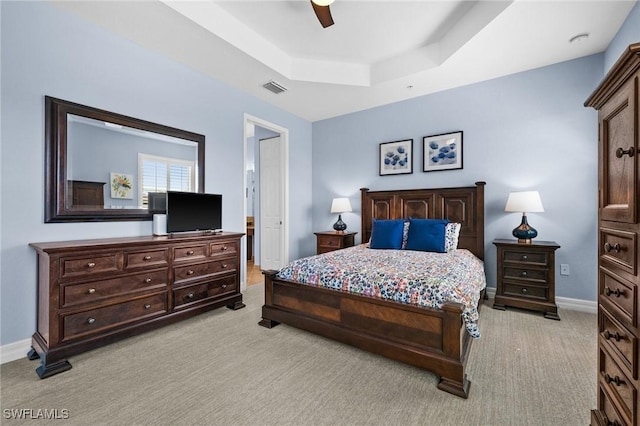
(406, 276)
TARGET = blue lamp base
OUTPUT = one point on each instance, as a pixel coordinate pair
(340, 226)
(524, 233)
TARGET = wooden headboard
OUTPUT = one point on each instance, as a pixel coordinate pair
(464, 205)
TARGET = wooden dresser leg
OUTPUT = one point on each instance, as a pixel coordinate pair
(454, 387)
(49, 370)
(268, 323)
(32, 354)
(236, 305)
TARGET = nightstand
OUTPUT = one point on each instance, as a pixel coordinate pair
(332, 240)
(526, 276)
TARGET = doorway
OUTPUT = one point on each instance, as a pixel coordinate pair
(269, 245)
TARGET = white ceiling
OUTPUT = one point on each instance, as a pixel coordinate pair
(377, 52)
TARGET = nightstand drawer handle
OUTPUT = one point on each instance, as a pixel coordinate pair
(190, 272)
(224, 266)
(525, 257)
(147, 306)
(224, 248)
(190, 252)
(147, 280)
(91, 264)
(616, 380)
(525, 291)
(91, 290)
(616, 292)
(524, 273)
(617, 336)
(224, 286)
(190, 296)
(146, 258)
(616, 247)
(91, 320)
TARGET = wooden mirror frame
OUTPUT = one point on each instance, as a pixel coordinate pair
(55, 209)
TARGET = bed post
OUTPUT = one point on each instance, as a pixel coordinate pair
(363, 214)
(480, 218)
(455, 348)
(269, 276)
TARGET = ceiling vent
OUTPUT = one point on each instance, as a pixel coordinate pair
(274, 87)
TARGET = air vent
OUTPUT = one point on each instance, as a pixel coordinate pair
(274, 87)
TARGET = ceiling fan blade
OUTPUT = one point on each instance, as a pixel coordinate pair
(324, 15)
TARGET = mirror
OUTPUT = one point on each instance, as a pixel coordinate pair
(102, 166)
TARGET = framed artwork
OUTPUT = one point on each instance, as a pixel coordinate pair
(442, 152)
(396, 158)
(121, 186)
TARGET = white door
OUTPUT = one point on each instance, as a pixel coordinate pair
(271, 204)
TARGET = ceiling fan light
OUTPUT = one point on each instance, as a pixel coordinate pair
(323, 2)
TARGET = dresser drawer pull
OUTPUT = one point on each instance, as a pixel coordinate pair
(616, 247)
(224, 286)
(146, 258)
(190, 296)
(524, 273)
(91, 264)
(616, 336)
(91, 290)
(224, 266)
(525, 291)
(630, 152)
(190, 272)
(147, 306)
(613, 423)
(525, 257)
(147, 280)
(616, 380)
(190, 253)
(616, 292)
(224, 248)
(91, 320)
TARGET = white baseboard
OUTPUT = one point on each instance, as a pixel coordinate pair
(14, 351)
(17, 350)
(568, 303)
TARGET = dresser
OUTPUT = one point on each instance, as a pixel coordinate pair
(616, 100)
(93, 292)
(526, 276)
(332, 240)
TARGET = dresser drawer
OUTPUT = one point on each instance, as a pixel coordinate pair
(223, 248)
(185, 296)
(147, 258)
(618, 340)
(620, 297)
(525, 291)
(616, 383)
(89, 292)
(524, 256)
(102, 319)
(90, 265)
(201, 270)
(539, 276)
(609, 409)
(618, 248)
(190, 253)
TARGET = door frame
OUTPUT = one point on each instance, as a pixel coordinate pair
(284, 158)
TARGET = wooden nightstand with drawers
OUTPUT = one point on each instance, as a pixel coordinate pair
(332, 240)
(526, 276)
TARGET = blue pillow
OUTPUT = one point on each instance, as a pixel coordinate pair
(427, 235)
(386, 234)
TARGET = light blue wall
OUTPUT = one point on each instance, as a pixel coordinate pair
(47, 51)
(628, 34)
(524, 131)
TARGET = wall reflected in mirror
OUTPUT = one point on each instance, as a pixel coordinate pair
(115, 167)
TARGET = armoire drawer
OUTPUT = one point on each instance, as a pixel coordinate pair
(618, 249)
(102, 319)
(608, 407)
(185, 296)
(619, 385)
(621, 342)
(94, 291)
(620, 297)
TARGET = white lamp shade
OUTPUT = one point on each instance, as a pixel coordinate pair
(525, 201)
(323, 2)
(340, 205)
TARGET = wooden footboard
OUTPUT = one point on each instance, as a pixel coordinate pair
(432, 339)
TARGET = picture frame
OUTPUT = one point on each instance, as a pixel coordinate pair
(121, 185)
(442, 152)
(396, 158)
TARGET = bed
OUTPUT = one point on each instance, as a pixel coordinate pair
(435, 339)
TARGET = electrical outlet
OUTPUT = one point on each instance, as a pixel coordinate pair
(564, 269)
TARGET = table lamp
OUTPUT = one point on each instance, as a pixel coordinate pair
(525, 201)
(340, 205)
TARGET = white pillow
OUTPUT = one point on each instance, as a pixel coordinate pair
(451, 234)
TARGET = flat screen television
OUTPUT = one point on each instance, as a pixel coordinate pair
(193, 211)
